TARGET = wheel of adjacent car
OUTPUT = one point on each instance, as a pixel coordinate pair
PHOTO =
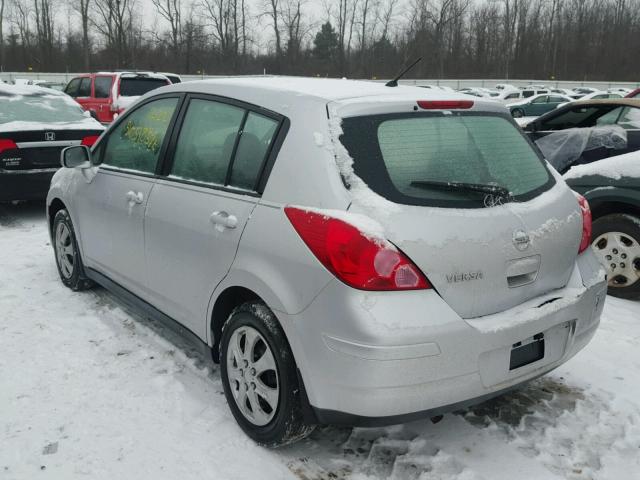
(68, 259)
(259, 377)
(517, 113)
(616, 242)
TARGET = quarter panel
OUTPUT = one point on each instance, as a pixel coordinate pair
(273, 258)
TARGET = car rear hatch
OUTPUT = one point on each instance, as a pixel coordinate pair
(39, 149)
(467, 199)
(133, 86)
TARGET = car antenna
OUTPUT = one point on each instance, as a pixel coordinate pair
(394, 82)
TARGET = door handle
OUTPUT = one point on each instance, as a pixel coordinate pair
(224, 219)
(134, 197)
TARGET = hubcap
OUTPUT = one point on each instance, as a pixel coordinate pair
(64, 250)
(620, 255)
(252, 375)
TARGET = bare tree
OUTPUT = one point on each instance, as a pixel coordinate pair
(114, 22)
(171, 11)
(82, 7)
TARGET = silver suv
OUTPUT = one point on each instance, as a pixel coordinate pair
(350, 253)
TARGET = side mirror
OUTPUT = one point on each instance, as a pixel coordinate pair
(77, 156)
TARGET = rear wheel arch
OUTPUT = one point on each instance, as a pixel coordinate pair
(228, 300)
(600, 208)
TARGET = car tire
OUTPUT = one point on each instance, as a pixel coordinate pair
(616, 241)
(248, 370)
(65, 247)
(517, 113)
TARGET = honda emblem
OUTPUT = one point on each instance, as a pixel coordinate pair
(49, 136)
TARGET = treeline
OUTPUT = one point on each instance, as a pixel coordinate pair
(543, 39)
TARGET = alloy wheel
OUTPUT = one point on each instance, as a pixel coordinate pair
(253, 375)
(64, 250)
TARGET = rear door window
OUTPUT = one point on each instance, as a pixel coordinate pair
(85, 87)
(135, 143)
(206, 141)
(399, 156)
(103, 87)
(255, 141)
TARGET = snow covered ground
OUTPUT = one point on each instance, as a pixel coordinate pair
(90, 390)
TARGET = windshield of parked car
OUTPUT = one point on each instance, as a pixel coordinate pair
(407, 158)
(39, 107)
(136, 86)
(593, 115)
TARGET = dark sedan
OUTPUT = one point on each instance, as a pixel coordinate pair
(612, 187)
(586, 131)
(35, 125)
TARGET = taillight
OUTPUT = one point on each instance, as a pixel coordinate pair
(358, 260)
(586, 223)
(445, 104)
(89, 140)
(6, 144)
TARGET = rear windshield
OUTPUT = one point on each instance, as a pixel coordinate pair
(39, 107)
(400, 155)
(134, 87)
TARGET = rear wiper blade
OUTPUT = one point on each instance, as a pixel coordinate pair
(468, 187)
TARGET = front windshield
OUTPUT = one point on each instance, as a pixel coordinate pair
(38, 107)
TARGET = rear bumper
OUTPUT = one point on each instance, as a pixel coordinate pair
(376, 358)
(25, 184)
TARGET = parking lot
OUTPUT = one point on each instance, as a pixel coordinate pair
(90, 390)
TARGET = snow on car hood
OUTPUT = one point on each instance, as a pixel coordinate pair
(627, 165)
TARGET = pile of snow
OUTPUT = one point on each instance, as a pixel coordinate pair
(627, 165)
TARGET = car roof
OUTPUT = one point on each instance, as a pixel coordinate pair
(271, 91)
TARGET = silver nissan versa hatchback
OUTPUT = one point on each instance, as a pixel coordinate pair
(350, 253)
